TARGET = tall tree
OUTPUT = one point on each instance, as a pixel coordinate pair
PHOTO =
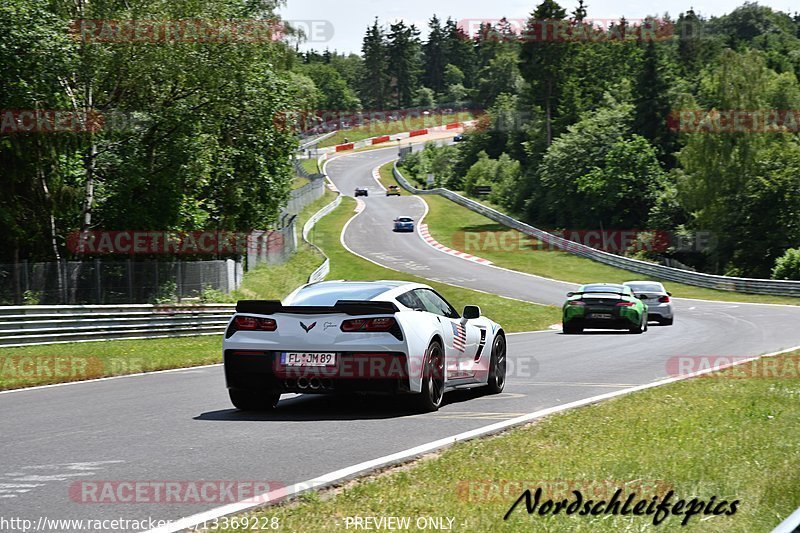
(404, 62)
(652, 101)
(543, 58)
(460, 51)
(374, 87)
(434, 51)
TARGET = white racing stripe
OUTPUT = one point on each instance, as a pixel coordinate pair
(344, 474)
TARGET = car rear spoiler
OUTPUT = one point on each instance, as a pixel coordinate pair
(598, 293)
(347, 307)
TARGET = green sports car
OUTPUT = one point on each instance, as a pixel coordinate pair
(604, 306)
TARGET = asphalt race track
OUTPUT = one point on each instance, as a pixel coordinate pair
(180, 426)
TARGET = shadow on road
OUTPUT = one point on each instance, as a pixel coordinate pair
(308, 408)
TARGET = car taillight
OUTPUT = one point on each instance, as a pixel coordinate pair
(249, 323)
(576, 302)
(368, 324)
(625, 304)
(664, 300)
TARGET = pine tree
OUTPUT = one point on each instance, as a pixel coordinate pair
(434, 57)
(404, 62)
(653, 104)
(460, 51)
(542, 61)
(374, 86)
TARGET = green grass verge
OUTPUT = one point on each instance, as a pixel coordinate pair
(310, 165)
(735, 439)
(391, 128)
(512, 314)
(28, 366)
(456, 227)
(299, 182)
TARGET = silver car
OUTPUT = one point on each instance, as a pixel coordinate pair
(658, 300)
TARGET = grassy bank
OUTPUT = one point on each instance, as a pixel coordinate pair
(735, 439)
(459, 228)
(310, 165)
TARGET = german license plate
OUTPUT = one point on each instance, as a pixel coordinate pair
(601, 316)
(308, 359)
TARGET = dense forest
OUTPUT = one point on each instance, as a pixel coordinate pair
(153, 131)
(632, 126)
(625, 128)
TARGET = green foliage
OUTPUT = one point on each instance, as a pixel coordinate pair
(730, 182)
(31, 298)
(334, 92)
(404, 62)
(190, 139)
(425, 98)
(212, 295)
(374, 83)
(622, 188)
(559, 200)
(788, 265)
(436, 160)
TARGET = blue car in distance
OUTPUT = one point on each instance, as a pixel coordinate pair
(404, 224)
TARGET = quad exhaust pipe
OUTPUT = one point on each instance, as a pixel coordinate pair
(312, 384)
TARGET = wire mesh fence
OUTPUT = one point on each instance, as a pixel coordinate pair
(102, 281)
(121, 279)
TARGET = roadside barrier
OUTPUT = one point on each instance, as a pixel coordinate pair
(37, 324)
(650, 270)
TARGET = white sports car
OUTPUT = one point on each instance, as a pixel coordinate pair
(376, 337)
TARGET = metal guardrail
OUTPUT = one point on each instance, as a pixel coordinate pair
(322, 272)
(316, 140)
(37, 324)
(699, 279)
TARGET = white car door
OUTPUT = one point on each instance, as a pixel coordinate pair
(461, 337)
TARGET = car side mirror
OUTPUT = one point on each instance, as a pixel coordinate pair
(669, 294)
(472, 312)
(570, 294)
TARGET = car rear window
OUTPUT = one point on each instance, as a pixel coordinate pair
(646, 287)
(604, 288)
(327, 295)
(405, 219)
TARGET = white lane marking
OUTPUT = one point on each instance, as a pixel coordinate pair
(425, 235)
(376, 175)
(343, 474)
(15, 484)
(365, 258)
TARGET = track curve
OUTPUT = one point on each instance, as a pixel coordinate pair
(179, 426)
